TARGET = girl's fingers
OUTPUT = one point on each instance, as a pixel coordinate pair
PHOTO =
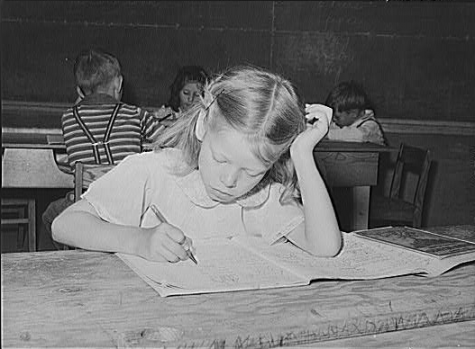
(316, 111)
(181, 239)
(175, 234)
(170, 256)
(188, 244)
(166, 243)
(172, 250)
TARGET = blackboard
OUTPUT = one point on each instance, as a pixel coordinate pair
(415, 59)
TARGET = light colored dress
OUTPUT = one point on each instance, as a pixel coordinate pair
(124, 196)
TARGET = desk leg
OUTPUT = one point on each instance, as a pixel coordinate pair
(360, 215)
(32, 225)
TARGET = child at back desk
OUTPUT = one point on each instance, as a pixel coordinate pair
(99, 128)
(186, 89)
(240, 162)
(353, 116)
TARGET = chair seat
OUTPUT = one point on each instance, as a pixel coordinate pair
(385, 210)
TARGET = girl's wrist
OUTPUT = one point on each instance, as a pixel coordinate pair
(141, 242)
(300, 154)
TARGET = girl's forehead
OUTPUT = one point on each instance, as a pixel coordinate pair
(235, 146)
(192, 85)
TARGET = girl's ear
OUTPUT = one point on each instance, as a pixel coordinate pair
(200, 129)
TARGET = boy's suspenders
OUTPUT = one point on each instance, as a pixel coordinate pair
(105, 142)
(377, 123)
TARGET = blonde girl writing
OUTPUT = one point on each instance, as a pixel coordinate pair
(241, 162)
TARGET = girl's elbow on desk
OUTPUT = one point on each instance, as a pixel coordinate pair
(328, 246)
(324, 240)
(327, 249)
(64, 225)
(59, 228)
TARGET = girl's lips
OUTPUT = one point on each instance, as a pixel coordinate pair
(221, 195)
(222, 192)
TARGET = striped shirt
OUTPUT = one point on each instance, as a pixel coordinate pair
(131, 128)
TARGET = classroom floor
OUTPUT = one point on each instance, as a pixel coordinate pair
(11, 241)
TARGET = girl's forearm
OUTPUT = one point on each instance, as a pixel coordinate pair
(85, 230)
(322, 232)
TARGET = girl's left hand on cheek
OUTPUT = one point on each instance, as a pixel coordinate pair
(318, 120)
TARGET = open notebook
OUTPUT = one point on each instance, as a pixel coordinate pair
(246, 263)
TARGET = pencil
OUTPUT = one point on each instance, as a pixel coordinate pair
(164, 220)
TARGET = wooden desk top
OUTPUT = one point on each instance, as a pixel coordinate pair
(339, 146)
(32, 140)
(90, 299)
(55, 141)
(37, 141)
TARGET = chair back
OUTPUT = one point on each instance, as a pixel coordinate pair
(411, 161)
(85, 174)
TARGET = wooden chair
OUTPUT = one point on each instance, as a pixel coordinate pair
(20, 214)
(405, 202)
(85, 174)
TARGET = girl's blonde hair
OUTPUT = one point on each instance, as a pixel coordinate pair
(260, 104)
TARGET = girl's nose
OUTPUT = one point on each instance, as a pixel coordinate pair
(229, 178)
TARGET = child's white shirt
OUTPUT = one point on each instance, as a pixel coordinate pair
(124, 195)
(364, 129)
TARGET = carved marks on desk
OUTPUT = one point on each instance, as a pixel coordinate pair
(148, 337)
(347, 329)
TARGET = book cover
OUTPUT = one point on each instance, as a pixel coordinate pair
(421, 241)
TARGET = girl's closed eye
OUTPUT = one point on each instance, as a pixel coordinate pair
(254, 174)
(219, 159)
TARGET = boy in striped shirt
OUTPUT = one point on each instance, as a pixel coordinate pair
(99, 128)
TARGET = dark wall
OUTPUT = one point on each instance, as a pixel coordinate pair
(415, 59)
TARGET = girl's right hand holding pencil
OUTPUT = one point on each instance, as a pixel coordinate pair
(165, 243)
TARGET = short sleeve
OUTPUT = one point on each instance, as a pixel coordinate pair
(119, 196)
(273, 220)
(372, 132)
(151, 126)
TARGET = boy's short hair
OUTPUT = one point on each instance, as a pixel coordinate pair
(347, 96)
(95, 69)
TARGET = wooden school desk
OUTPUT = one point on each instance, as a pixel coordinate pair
(90, 299)
(353, 165)
(28, 161)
